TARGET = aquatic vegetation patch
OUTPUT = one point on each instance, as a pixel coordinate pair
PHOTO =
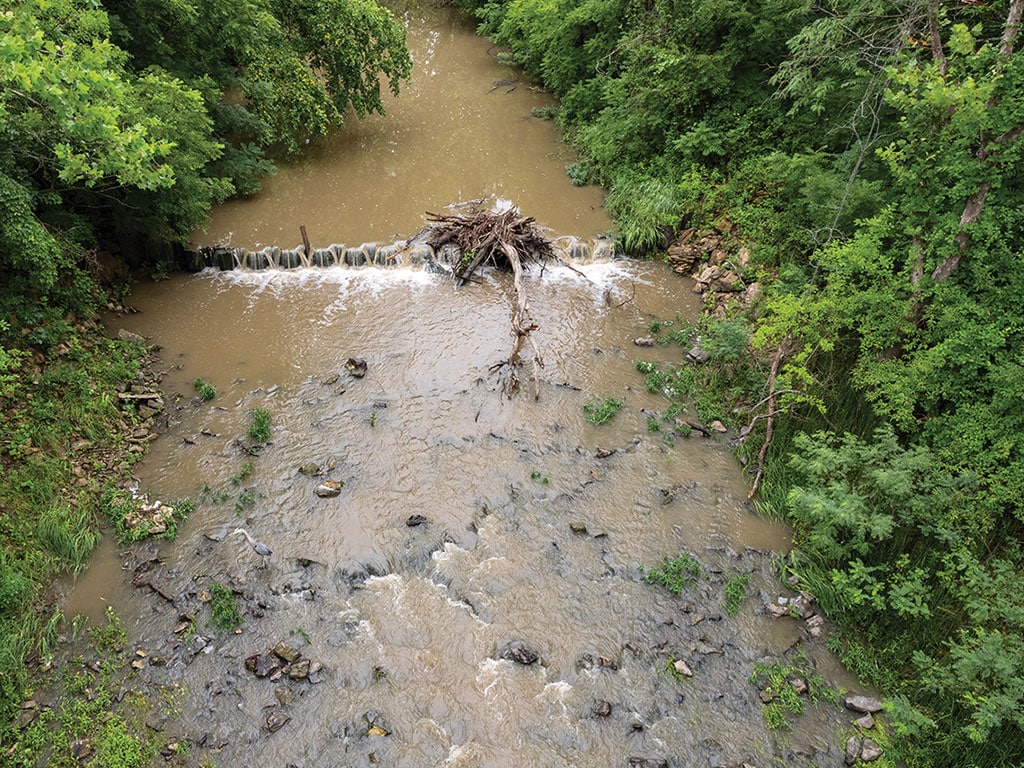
(674, 574)
(259, 429)
(206, 390)
(602, 412)
(224, 613)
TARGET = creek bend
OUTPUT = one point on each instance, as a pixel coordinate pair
(536, 524)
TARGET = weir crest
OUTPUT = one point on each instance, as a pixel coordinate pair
(402, 253)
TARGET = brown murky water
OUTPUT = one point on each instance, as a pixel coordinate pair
(537, 522)
(460, 130)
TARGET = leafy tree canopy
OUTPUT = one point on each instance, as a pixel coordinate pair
(135, 116)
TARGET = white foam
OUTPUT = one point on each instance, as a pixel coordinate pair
(372, 280)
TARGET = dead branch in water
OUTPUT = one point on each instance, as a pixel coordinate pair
(506, 240)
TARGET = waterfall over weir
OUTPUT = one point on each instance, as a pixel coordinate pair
(403, 253)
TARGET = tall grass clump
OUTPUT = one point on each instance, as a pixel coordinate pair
(647, 212)
(69, 534)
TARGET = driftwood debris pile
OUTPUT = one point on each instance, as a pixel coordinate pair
(506, 240)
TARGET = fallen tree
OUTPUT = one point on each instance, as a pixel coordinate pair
(507, 240)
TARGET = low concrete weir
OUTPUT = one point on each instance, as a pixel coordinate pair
(402, 253)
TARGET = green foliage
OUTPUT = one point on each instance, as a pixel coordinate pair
(205, 389)
(674, 574)
(735, 592)
(244, 473)
(602, 412)
(720, 387)
(61, 415)
(88, 132)
(68, 533)
(117, 747)
(224, 615)
(649, 209)
(299, 66)
(246, 499)
(111, 637)
(259, 429)
(783, 688)
(28, 252)
(15, 586)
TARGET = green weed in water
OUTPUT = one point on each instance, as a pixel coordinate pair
(784, 688)
(735, 591)
(111, 637)
(246, 499)
(224, 614)
(259, 430)
(601, 413)
(206, 390)
(244, 473)
(675, 574)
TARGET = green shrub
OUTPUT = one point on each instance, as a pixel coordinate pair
(647, 209)
(68, 533)
(117, 747)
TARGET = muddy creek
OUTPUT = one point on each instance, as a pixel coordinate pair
(462, 129)
(475, 594)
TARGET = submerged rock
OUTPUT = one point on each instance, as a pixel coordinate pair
(275, 719)
(262, 664)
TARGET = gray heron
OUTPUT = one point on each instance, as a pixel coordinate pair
(258, 547)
